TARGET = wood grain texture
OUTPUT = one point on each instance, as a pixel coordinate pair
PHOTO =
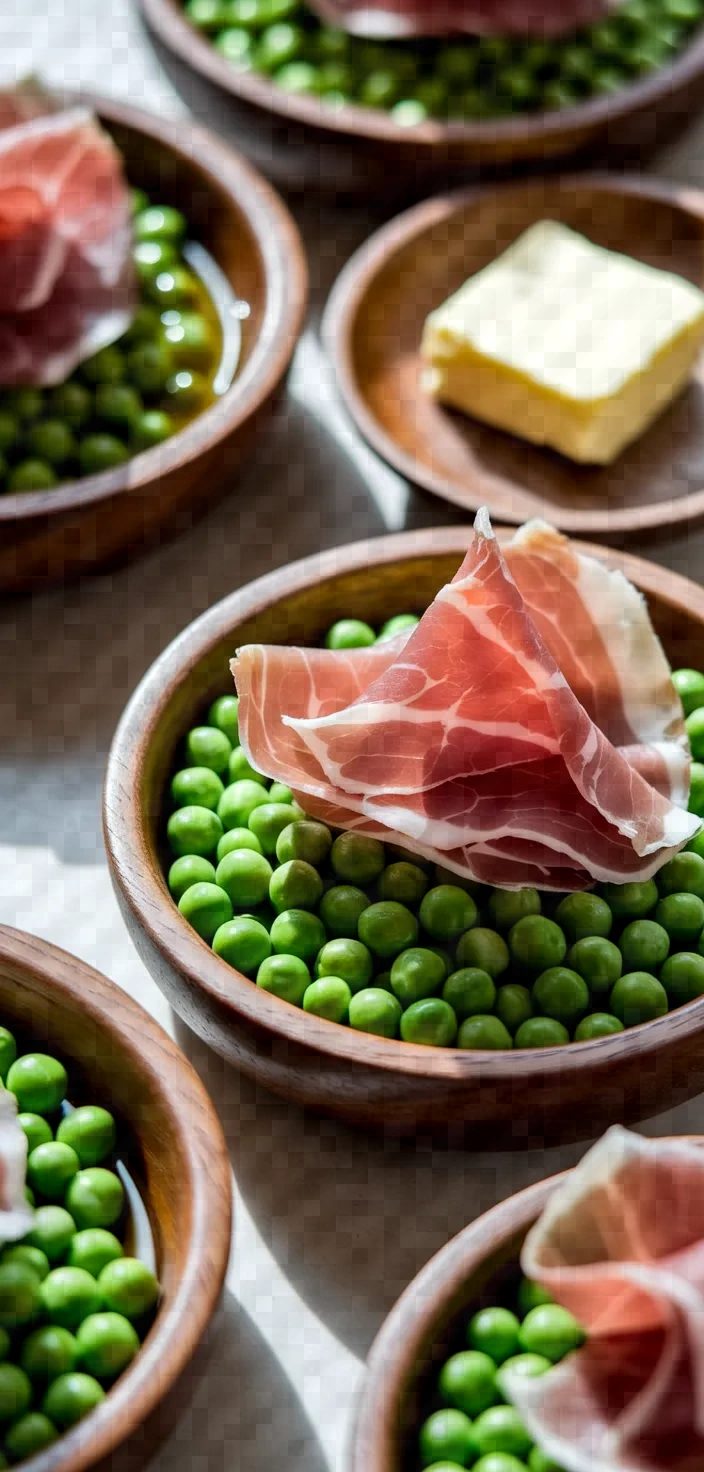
(126, 1061)
(507, 1099)
(362, 151)
(82, 525)
(374, 323)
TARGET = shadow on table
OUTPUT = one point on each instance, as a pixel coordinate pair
(351, 1218)
(242, 1410)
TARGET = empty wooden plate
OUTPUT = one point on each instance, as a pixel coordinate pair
(373, 326)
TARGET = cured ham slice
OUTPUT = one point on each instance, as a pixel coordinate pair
(621, 1244)
(66, 280)
(465, 738)
(15, 1214)
(399, 18)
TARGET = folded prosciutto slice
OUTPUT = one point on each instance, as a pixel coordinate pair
(398, 18)
(66, 280)
(15, 1214)
(621, 1244)
(465, 737)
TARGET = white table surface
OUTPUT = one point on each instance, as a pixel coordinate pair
(330, 1226)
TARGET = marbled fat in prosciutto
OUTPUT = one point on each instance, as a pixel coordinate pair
(398, 18)
(66, 279)
(621, 1244)
(465, 740)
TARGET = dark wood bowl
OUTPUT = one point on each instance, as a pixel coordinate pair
(362, 151)
(82, 525)
(374, 322)
(180, 1164)
(421, 1330)
(499, 1098)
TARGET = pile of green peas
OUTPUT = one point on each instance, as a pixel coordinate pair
(374, 938)
(454, 80)
(130, 396)
(73, 1306)
(473, 1423)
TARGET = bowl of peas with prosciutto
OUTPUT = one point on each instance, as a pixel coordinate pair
(438, 90)
(159, 292)
(109, 1284)
(543, 1338)
(408, 881)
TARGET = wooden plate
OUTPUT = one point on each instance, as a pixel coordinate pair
(47, 536)
(511, 1099)
(373, 325)
(122, 1057)
(358, 150)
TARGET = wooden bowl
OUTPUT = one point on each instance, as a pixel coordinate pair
(86, 524)
(498, 1098)
(357, 150)
(178, 1157)
(374, 323)
(422, 1329)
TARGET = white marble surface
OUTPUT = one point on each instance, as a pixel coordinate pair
(329, 1225)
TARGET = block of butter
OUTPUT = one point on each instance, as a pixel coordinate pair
(565, 344)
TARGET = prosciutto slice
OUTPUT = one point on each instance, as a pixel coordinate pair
(66, 280)
(402, 18)
(621, 1244)
(465, 738)
(15, 1214)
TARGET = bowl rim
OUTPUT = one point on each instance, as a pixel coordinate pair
(166, 18)
(346, 299)
(286, 281)
(176, 1332)
(399, 1342)
(138, 879)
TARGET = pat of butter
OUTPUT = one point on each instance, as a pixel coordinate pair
(565, 344)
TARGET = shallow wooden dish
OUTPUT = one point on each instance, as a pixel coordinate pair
(362, 151)
(181, 1166)
(477, 1098)
(374, 322)
(421, 1330)
(86, 524)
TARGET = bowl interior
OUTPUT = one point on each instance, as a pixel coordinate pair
(375, 322)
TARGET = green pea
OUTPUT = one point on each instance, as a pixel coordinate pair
(630, 901)
(469, 991)
(561, 994)
(91, 1133)
(304, 839)
(513, 1006)
(237, 838)
(684, 874)
(597, 1025)
(694, 726)
(403, 882)
(70, 1398)
(696, 789)
(538, 1461)
(507, 907)
(95, 1198)
(689, 685)
(92, 1249)
(240, 769)
(38, 1082)
(468, 1382)
(244, 943)
(295, 886)
(537, 943)
(117, 406)
(485, 1033)
(541, 1032)
(328, 997)
(31, 1257)
(501, 1430)
(239, 801)
(380, 89)
(597, 960)
(192, 341)
(682, 916)
(638, 997)
(550, 1330)
(188, 870)
(145, 324)
(446, 1436)
(208, 15)
(357, 860)
(99, 452)
(683, 977)
(286, 977)
(348, 959)
(196, 787)
(245, 877)
(50, 1168)
(150, 366)
(8, 1052)
(429, 1021)
(36, 1130)
(160, 222)
(531, 1295)
(485, 949)
(529, 1366)
(30, 1435)
(107, 366)
(26, 403)
(376, 1011)
(52, 441)
(107, 1344)
(47, 1353)
(15, 1392)
(206, 907)
(494, 1331)
(52, 1230)
(408, 113)
(268, 820)
(416, 973)
(9, 431)
(224, 713)
(31, 475)
(387, 928)
(72, 404)
(446, 911)
(644, 945)
(582, 915)
(341, 908)
(349, 633)
(69, 1295)
(236, 46)
(206, 746)
(297, 933)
